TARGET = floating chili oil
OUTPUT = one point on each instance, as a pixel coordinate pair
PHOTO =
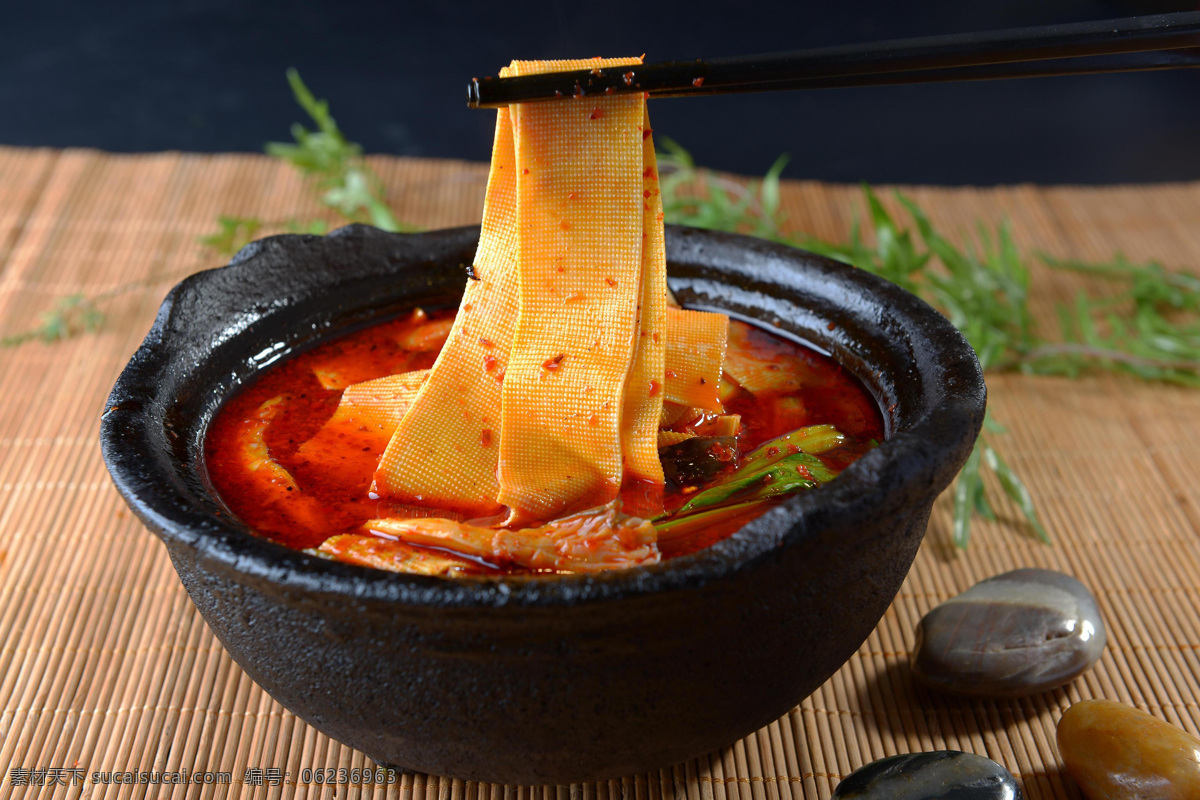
(792, 419)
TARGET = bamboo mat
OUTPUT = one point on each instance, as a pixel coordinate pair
(105, 665)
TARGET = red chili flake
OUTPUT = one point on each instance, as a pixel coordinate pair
(646, 133)
(654, 387)
(554, 363)
(485, 437)
(804, 473)
(648, 172)
(486, 343)
(628, 78)
(557, 93)
(670, 373)
(610, 90)
(646, 193)
(524, 172)
(597, 113)
(566, 226)
(611, 281)
(594, 419)
(500, 376)
(830, 326)
(489, 362)
(654, 336)
(659, 216)
(698, 82)
(467, 306)
(572, 195)
(578, 90)
(772, 451)
(597, 71)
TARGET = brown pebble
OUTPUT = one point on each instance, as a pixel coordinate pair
(1116, 752)
(1016, 634)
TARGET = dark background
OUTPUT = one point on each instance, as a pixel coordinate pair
(208, 75)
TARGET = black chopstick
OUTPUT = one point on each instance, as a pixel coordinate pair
(1087, 65)
(1131, 44)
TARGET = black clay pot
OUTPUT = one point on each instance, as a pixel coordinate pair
(542, 680)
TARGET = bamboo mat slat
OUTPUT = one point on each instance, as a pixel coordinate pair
(106, 666)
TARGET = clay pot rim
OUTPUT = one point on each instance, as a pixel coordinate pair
(927, 442)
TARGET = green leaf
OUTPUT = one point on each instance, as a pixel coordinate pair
(697, 197)
(318, 227)
(964, 498)
(71, 315)
(811, 439)
(335, 165)
(991, 426)
(232, 234)
(982, 507)
(679, 525)
(793, 473)
(1015, 488)
(770, 186)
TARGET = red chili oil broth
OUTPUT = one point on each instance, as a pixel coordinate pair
(827, 394)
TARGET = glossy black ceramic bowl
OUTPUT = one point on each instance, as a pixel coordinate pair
(542, 680)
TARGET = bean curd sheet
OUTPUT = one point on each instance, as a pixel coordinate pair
(294, 455)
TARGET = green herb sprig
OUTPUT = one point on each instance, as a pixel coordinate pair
(75, 314)
(332, 164)
(234, 233)
(335, 165)
(1150, 329)
(72, 314)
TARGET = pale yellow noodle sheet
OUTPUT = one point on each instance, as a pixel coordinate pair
(579, 249)
(695, 352)
(644, 391)
(445, 449)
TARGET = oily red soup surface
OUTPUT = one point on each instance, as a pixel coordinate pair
(827, 393)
